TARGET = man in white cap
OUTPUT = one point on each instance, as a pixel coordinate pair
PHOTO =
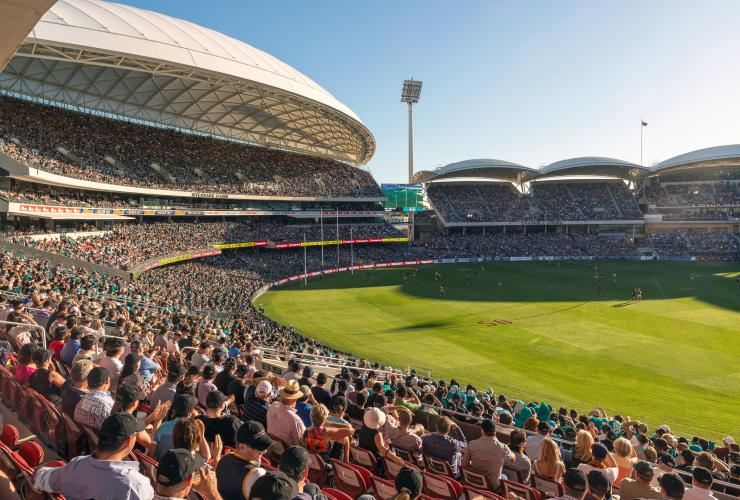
(256, 406)
(283, 421)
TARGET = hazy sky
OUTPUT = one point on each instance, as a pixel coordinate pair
(531, 82)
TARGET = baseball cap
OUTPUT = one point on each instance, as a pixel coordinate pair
(575, 479)
(177, 465)
(644, 469)
(598, 481)
(215, 399)
(264, 387)
(117, 428)
(599, 451)
(702, 475)
(127, 394)
(253, 434)
(183, 404)
(672, 484)
(409, 480)
(272, 486)
(668, 460)
(294, 462)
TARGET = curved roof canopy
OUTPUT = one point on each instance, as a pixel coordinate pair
(139, 64)
(595, 166)
(717, 156)
(484, 168)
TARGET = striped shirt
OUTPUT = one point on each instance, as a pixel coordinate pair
(93, 409)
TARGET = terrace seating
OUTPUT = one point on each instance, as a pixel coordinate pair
(521, 490)
(317, 470)
(350, 478)
(547, 486)
(438, 466)
(442, 487)
(479, 480)
(476, 494)
(363, 457)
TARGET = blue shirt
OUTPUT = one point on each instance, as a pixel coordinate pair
(147, 369)
(69, 351)
(447, 448)
(304, 411)
(163, 437)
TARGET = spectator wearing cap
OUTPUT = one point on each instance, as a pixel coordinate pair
(319, 391)
(238, 471)
(601, 459)
(532, 445)
(448, 447)
(701, 485)
(304, 405)
(71, 346)
(224, 378)
(128, 398)
(256, 405)
(175, 477)
(166, 391)
(666, 463)
(205, 384)
(638, 486)
(672, 486)
(371, 438)
(182, 407)
(106, 473)
(218, 424)
(575, 485)
(73, 392)
(96, 405)
(294, 464)
(283, 421)
(307, 376)
(272, 486)
(486, 454)
(202, 356)
(237, 386)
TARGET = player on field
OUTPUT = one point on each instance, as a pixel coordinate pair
(442, 288)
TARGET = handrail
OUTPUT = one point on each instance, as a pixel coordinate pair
(302, 357)
(36, 327)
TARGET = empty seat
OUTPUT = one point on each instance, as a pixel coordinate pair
(351, 478)
(443, 487)
(521, 490)
(475, 479)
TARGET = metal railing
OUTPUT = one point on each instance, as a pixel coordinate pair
(38, 328)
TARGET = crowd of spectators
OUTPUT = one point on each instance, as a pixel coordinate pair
(111, 151)
(546, 201)
(716, 244)
(129, 244)
(214, 404)
(67, 198)
(686, 194)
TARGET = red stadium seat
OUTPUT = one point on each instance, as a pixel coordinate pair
(475, 479)
(405, 455)
(392, 468)
(547, 486)
(443, 487)
(363, 457)
(476, 494)
(438, 466)
(350, 478)
(75, 439)
(334, 494)
(147, 466)
(521, 490)
(317, 471)
(383, 489)
(276, 449)
(9, 436)
(514, 475)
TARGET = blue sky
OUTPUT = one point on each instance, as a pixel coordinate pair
(531, 82)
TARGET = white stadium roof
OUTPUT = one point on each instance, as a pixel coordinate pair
(139, 64)
(714, 156)
(592, 166)
(484, 168)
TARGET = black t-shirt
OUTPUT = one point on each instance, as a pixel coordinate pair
(236, 389)
(71, 395)
(222, 380)
(39, 382)
(355, 412)
(321, 395)
(225, 426)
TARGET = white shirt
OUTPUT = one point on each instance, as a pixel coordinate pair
(114, 366)
(695, 493)
(611, 472)
(532, 446)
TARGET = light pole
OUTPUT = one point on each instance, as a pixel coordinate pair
(410, 94)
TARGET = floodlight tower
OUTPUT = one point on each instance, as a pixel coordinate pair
(410, 95)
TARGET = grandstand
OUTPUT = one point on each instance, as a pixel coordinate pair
(157, 177)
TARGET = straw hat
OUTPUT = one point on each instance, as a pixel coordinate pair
(292, 390)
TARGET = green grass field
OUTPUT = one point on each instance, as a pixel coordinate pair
(672, 358)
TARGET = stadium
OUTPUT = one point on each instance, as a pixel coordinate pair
(199, 268)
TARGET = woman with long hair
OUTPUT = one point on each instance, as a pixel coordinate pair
(550, 464)
(625, 457)
(582, 448)
(130, 373)
(522, 464)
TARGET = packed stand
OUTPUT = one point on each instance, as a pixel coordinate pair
(33, 133)
(715, 245)
(704, 194)
(168, 394)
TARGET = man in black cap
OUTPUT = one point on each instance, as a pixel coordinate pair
(175, 477)
(671, 486)
(294, 464)
(272, 486)
(166, 391)
(575, 485)
(226, 375)
(409, 481)
(105, 473)
(216, 423)
(238, 471)
(598, 485)
(237, 387)
(701, 485)
(639, 485)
